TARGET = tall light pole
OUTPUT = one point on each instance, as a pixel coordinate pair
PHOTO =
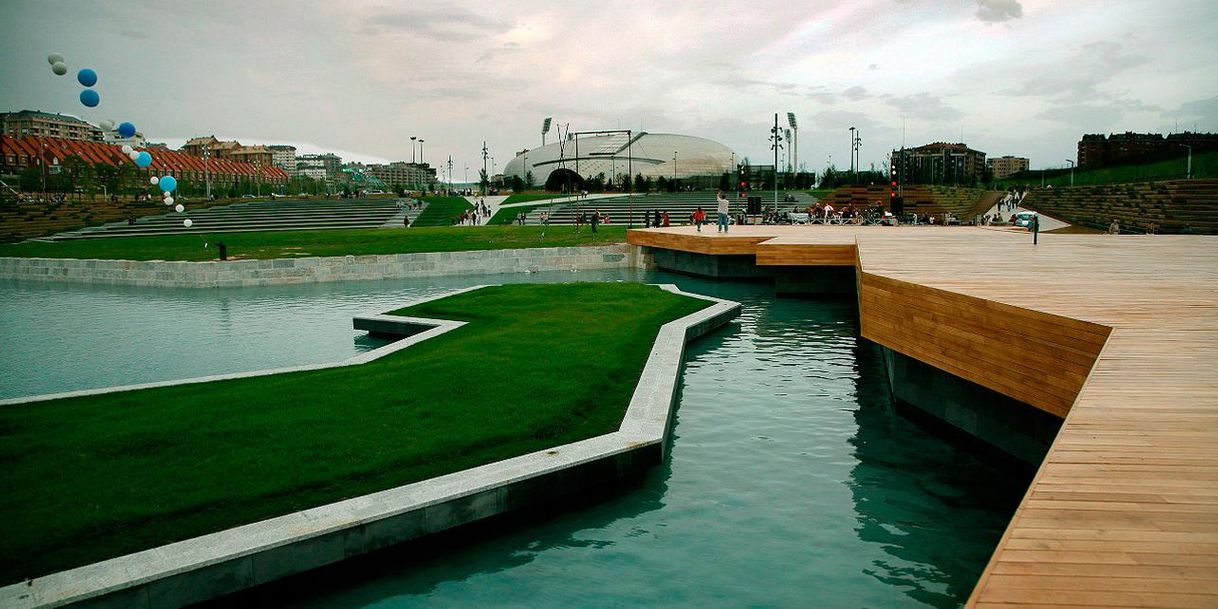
(852, 154)
(206, 173)
(776, 137)
(545, 128)
(485, 156)
(1071, 171)
(795, 141)
(857, 160)
(1189, 171)
(421, 158)
(674, 166)
(412, 140)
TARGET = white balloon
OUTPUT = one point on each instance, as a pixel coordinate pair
(106, 125)
(179, 208)
(187, 223)
(54, 58)
(153, 180)
(133, 155)
(166, 194)
(59, 68)
(169, 201)
(127, 149)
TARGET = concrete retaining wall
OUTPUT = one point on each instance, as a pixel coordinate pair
(243, 273)
(228, 561)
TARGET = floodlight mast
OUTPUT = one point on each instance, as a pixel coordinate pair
(545, 128)
(795, 140)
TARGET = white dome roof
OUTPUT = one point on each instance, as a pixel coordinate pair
(649, 154)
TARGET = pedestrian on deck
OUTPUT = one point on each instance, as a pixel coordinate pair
(722, 208)
(699, 218)
(1114, 228)
(664, 218)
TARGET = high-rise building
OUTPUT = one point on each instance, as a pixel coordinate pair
(938, 163)
(332, 163)
(402, 173)
(284, 157)
(1003, 166)
(46, 124)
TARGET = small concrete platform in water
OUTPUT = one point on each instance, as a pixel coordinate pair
(1116, 335)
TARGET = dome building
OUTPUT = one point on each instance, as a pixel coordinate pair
(616, 155)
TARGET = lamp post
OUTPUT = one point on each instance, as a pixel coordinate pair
(1071, 171)
(1189, 171)
(795, 141)
(485, 156)
(674, 167)
(206, 172)
(412, 140)
(776, 137)
(852, 153)
(421, 158)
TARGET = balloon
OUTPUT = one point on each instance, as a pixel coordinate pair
(59, 68)
(153, 180)
(187, 223)
(168, 200)
(86, 77)
(167, 194)
(179, 208)
(143, 159)
(54, 58)
(126, 149)
(169, 183)
(126, 129)
(106, 125)
(89, 97)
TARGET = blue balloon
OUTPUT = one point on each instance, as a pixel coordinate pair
(126, 130)
(168, 183)
(87, 77)
(144, 159)
(89, 97)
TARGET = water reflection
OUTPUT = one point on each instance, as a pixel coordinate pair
(934, 508)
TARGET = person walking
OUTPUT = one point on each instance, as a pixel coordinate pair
(596, 219)
(722, 208)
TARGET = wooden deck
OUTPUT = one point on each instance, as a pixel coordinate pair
(1118, 334)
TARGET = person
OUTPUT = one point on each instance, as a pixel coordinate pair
(1114, 228)
(699, 218)
(405, 221)
(596, 219)
(722, 209)
(664, 217)
(646, 220)
(579, 222)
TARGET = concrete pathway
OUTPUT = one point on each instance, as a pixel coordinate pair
(1046, 223)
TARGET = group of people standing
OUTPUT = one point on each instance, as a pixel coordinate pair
(480, 214)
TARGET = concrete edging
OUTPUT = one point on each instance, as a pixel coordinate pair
(248, 273)
(224, 562)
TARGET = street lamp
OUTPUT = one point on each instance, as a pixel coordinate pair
(1071, 171)
(412, 140)
(795, 141)
(421, 152)
(206, 171)
(674, 167)
(852, 152)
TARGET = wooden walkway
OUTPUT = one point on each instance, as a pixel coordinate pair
(1118, 334)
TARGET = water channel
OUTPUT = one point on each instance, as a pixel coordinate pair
(791, 481)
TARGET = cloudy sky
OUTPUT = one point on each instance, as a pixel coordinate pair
(1021, 77)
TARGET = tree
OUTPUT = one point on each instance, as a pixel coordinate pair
(625, 181)
(529, 180)
(517, 184)
(642, 184)
(483, 182)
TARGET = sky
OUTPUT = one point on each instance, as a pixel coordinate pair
(1019, 77)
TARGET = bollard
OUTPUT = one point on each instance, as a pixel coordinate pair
(1035, 228)
(223, 251)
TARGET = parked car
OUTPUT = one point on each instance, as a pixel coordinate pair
(1023, 219)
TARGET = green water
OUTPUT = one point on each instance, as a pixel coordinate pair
(790, 482)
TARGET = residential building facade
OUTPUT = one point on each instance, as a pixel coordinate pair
(939, 163)
(284, 157)
(1003, 166)
(47, 124)
(1097, 149)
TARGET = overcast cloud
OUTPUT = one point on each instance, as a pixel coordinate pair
(1021, 77)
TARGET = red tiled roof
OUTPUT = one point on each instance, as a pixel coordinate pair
(169, 161)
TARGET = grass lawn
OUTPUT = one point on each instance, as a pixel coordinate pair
(538, 365)
(289, 244)
(1205, 165)
(525, 198)
(441, 211)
